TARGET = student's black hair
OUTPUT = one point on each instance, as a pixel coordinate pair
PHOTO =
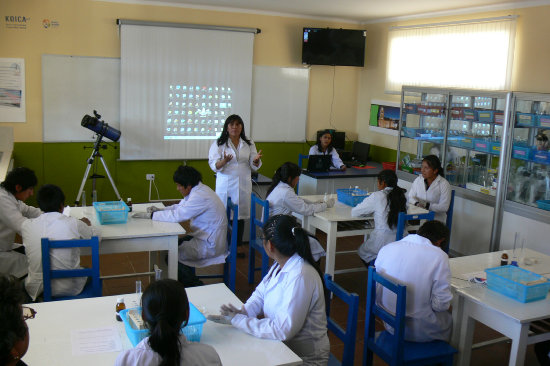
(434, 163)
(50, 198)
(12, 325)
(187, 176)
(25, 177)
(165, 308)
(435, 230)
(285, 173)
(396, 200)
(225, 134)
(318, 143)
(288, 237)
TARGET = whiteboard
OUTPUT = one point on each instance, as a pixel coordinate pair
(73, 86)
(279, 103)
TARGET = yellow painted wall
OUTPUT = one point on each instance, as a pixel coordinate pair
(87, 28)
(531, 72)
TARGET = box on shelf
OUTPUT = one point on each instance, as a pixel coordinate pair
(544, 204)
(457, 112)
(544, 120)
(482, 145)
(411, 107)
(469, 114)
(495, 147)
(467, 142)
(517, 283)
(351, 196)
(526, 119)
(192, 331)
(484, 115)
(499, 117)
(111, 212)
(431, 110)
(412, 132)
(541, 157)
(521, 152)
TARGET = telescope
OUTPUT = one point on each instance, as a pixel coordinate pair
(100, 127)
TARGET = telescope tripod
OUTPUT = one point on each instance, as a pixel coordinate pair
(95, 154)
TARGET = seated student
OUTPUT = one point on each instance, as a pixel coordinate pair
(164, 309)
(324, 147)
(289, 303)
(207, 244)
(386, 203)
(284, 201)
(14, 333)
(54, 225)
(542, 350)
(17, 188)
(418, 262)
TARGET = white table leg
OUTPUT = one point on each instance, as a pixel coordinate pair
(458, 309)
(519, 345)
(173, 258)
(331, 248)
(467, 325)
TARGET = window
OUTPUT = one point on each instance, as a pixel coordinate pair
(476, 54)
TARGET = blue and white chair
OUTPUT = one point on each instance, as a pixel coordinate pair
(256, 243)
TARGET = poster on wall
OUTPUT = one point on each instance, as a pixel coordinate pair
(384, 116)
(12, 90)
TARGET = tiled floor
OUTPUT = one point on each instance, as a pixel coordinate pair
(494, 355)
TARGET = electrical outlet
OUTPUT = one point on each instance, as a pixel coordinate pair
(150, 176)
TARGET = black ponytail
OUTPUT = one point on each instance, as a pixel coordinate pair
(396, 200)
(165, 309)
(285, 173)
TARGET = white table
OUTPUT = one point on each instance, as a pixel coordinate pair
(50, 331)
(327, 221)
(136, 235)
(506, 315)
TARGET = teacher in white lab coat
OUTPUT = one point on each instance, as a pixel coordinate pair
(14, 191)
(289, 304)
(233, 157)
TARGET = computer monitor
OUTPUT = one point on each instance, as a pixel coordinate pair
(360, 152)
(319, 163)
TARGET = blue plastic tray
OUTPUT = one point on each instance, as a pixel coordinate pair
(111, 212)
(192, 331)
(544, 204)
(351, 197)
(512, 282)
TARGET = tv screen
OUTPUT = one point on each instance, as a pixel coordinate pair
(338, 47)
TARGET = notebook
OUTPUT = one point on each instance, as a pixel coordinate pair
(319, 163)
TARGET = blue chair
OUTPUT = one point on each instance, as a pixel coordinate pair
(403, 218)
(348, 336)
(254, 242)
(393, 349)
(449, 222)
(92, 289)
(301, 158)
(230, 265)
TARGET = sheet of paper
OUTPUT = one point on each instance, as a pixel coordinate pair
(471, 275)
(97, 340)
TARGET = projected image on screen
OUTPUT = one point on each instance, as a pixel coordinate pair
(196, 111)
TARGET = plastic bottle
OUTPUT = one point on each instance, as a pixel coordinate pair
(119, 306)
(129, 203)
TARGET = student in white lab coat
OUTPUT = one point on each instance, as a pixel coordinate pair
(14, 191)
(207, 243)
(386, 204)
(324, 147)
(284, 201)
(54, 225)
(431, 190)
(233, 157)
(165, 309)
(418, 262)
(289, 303)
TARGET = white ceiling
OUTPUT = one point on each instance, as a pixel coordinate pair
(360, 11)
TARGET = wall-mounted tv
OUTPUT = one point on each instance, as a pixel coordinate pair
(338, 47)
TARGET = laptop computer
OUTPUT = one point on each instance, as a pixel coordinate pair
(319, 163)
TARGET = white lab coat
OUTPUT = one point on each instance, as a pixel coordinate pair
(55, 226)
(192, 353)
(12, 214)
(208, 226)
(424, 269)
(234, 178)
(284, 201)
(291, 304)
(438, 195)
(336, 161)
(382, 234)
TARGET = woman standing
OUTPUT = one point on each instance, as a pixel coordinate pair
(431, 190)
(386, 204)
(233, 157)
(289, 304)
(324, 147)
